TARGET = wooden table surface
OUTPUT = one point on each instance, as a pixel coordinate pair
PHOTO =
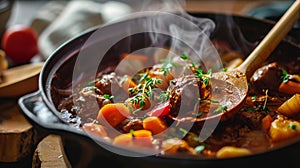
(48, 153)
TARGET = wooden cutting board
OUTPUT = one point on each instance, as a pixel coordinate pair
(20, 80)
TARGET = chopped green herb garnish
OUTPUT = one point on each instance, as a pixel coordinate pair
(214, 101)
(262, 108)
(196, 138)
(204, 77)
(206, 81)
(293, 126)
(285, 76)
(257, 108)
(224, 69)
(220, 109)
(199, 73)
(251, 109)
(164, 96)
(211, 100)
(254, 97)
(166, 67)
(107, 96)
(184, 57)
(143, 91)
(199, 148)
(183, 131)
(199, 114)
(209, 73)
(132, 133)
(265, 108)
(194, 65)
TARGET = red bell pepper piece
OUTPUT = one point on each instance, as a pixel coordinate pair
(161, 110)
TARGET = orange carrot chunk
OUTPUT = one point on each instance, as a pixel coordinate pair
(266, 122)
(126, 83)
(289, 87)
(138, 138)
(113, 114)
(138, 105)
(154, 124)
(140, 57)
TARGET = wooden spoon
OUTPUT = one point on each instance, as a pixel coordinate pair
(237, 79)
(20, 80)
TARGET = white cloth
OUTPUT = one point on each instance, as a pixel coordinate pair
(71, 19)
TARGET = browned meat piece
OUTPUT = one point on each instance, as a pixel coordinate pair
(267, 77)
(87, 102)
(105, 83)
(251, 119)
(184, 94)
(131, 124)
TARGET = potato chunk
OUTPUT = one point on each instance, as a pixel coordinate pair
(231, 151)
(282, 128)
(291, 106)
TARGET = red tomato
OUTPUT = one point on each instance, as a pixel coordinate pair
(20, 43)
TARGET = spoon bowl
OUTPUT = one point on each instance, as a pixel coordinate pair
(236, 82)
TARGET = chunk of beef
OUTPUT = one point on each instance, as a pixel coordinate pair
(131, 124)
(184, 94)
(251, 119)
(267, 77)
(105, 83)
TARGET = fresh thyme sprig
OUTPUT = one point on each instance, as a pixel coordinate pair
(167, 67)
(164, 96)
(142, 92)
(264, 107)
(208, 100)
(220, 109)
(259, 107)
(205, 77)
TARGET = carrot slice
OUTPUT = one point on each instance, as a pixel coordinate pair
(126, 83)
(154, 124)
(138, 138)
(266, 122)
(137, 105)
(140, 57)
(113, 114)
(289, 87)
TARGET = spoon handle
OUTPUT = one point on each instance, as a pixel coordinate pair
(271, 40)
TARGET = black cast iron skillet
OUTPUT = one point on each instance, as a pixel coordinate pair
(241, 32)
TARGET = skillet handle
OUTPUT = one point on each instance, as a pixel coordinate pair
(42, 119)
(46, 123)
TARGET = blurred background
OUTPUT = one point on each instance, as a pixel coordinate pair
(25, 10)
(56, 21)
